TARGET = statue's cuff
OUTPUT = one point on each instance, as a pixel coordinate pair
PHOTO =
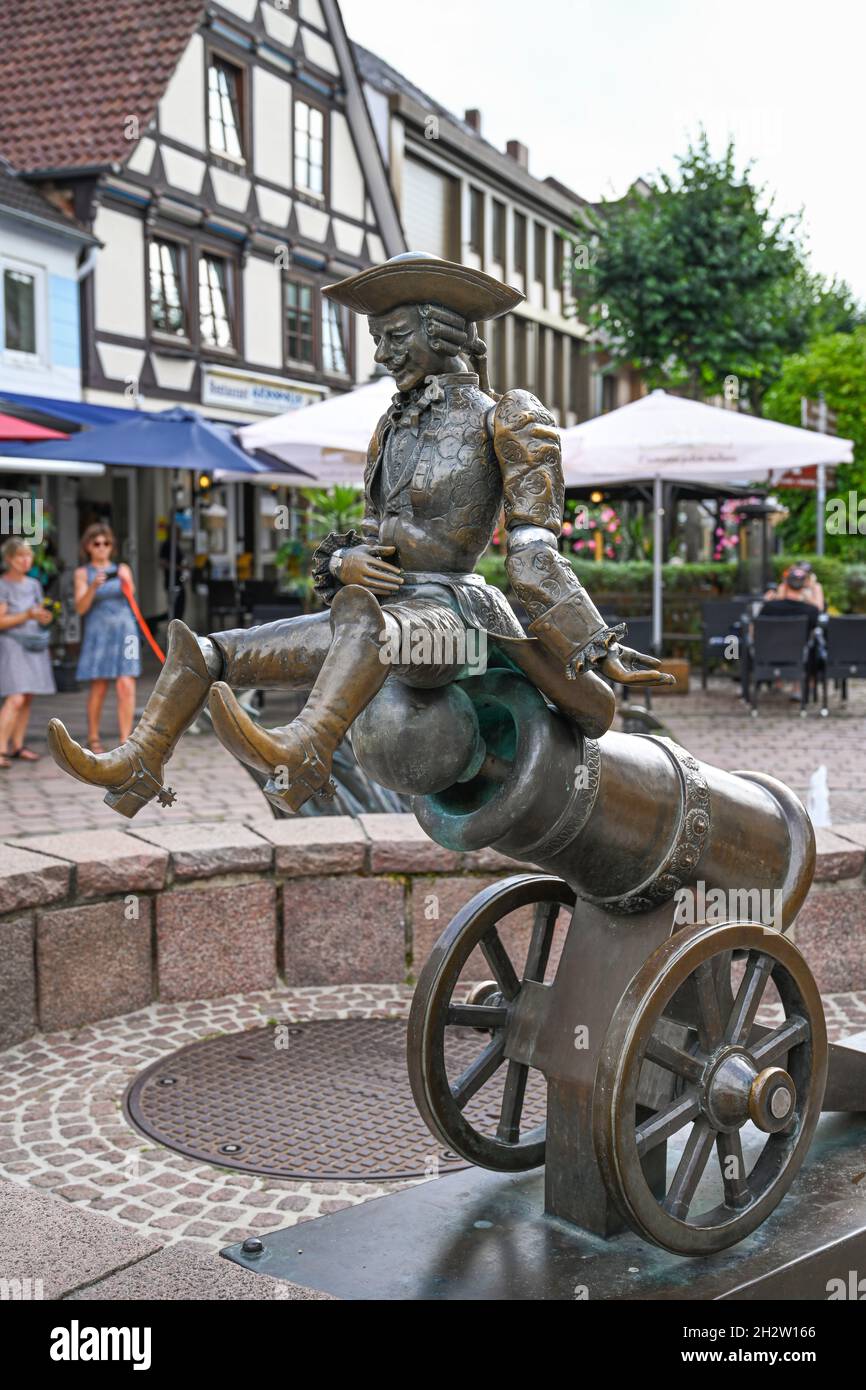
(572, 632)
(325, 583)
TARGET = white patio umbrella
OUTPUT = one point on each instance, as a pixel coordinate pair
(663, 438)
(328, 440)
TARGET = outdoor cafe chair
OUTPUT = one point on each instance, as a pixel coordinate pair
(779, 649)
(841, 654)
(721, 619)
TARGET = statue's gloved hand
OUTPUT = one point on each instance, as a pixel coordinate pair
(629, 667)
(363, 564)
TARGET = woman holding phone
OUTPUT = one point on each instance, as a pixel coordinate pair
(110, 650)
(25, 662)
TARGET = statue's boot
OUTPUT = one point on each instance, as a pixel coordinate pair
(297, 756)
(133, 772)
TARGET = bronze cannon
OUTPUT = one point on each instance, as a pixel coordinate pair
(678, 1015)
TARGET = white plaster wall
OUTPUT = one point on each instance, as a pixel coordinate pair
(119, 284)
(181, 111)
(272, 127)
(263, 313)
(347, 180)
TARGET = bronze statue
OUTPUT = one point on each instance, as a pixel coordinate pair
(443, 462)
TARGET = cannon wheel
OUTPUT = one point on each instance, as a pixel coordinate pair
(435, 1011)
(732, 1073)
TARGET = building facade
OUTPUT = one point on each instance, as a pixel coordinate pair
(462, 198)
(227, 166)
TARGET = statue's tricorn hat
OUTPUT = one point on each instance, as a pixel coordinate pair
(416, 278)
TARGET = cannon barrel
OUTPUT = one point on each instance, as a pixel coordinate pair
(627, 820)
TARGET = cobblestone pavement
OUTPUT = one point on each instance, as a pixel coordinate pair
(714, 726)
(62, 1127)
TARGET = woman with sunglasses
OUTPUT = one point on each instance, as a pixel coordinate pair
(111, 647)
(25, 662)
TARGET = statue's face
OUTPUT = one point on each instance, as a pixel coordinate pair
(403, 349)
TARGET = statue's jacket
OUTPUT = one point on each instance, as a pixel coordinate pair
(443, 464)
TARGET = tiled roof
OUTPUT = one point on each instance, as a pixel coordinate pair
(71, 75)
(18, 196)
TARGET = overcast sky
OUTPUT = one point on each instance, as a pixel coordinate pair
(604, 90)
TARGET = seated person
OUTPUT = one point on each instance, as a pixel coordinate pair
(798, 586)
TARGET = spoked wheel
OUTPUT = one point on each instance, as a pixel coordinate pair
(469, 1092)
(726, 1075)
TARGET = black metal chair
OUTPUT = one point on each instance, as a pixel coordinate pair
(721, 620)
(639, 636)
(840, 654)
(779, 650)
(223, 604)
(271, 612)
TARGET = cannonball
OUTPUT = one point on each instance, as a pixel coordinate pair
(417, 741)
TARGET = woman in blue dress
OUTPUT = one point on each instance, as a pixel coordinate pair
(111, 647)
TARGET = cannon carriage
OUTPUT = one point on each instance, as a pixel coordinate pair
(655, 1010)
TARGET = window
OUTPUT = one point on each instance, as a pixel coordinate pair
(520, 243)
(225, 130)
(19, 301)
(540, 382)
(499, 232)
(476, 221)
(309, 149)
(300, 323)
(558, 395)
(540, 252)
(519, 373)
(609, 392)
(558, 261)
(167, 311)
(333, 349)
(213, 302)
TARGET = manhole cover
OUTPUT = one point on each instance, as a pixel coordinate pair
(328, 1099)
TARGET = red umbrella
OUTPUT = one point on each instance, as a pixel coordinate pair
(10, 428)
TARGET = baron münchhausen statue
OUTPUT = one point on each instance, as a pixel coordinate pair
(444, 461)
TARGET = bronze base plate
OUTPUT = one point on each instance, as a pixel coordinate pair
(320, 1100)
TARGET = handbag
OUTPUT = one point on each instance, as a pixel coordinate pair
(33, 641)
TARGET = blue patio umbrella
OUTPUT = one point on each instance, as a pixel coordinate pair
(176, 438)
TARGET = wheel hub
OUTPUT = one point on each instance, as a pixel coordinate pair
(772, 1099)
(734, 1091)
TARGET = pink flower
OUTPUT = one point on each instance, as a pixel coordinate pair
(578, 545)
(567, 528)
(612, 526)
(609, 551)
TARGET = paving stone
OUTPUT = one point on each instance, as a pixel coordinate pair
(341, 929)
(107, 861)
(184, 1271)
(398, 845)
(837, 856)
(17, 981)
(201, 850)
(215, 941)
(92, 963)
(65, 1246)
(855, 832)
(29, 880)
(830, 930)
(315, 845)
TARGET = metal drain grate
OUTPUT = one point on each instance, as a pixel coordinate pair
(332, 1102)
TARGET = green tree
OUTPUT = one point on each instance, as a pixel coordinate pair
(693, 279)
(836, 365)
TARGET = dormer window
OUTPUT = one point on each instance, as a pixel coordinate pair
(224, 108)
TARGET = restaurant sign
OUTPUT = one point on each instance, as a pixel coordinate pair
(266, 395)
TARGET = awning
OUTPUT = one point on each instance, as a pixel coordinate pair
(16, 463)
(25, 431)
(177, 438)
(57, 412)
